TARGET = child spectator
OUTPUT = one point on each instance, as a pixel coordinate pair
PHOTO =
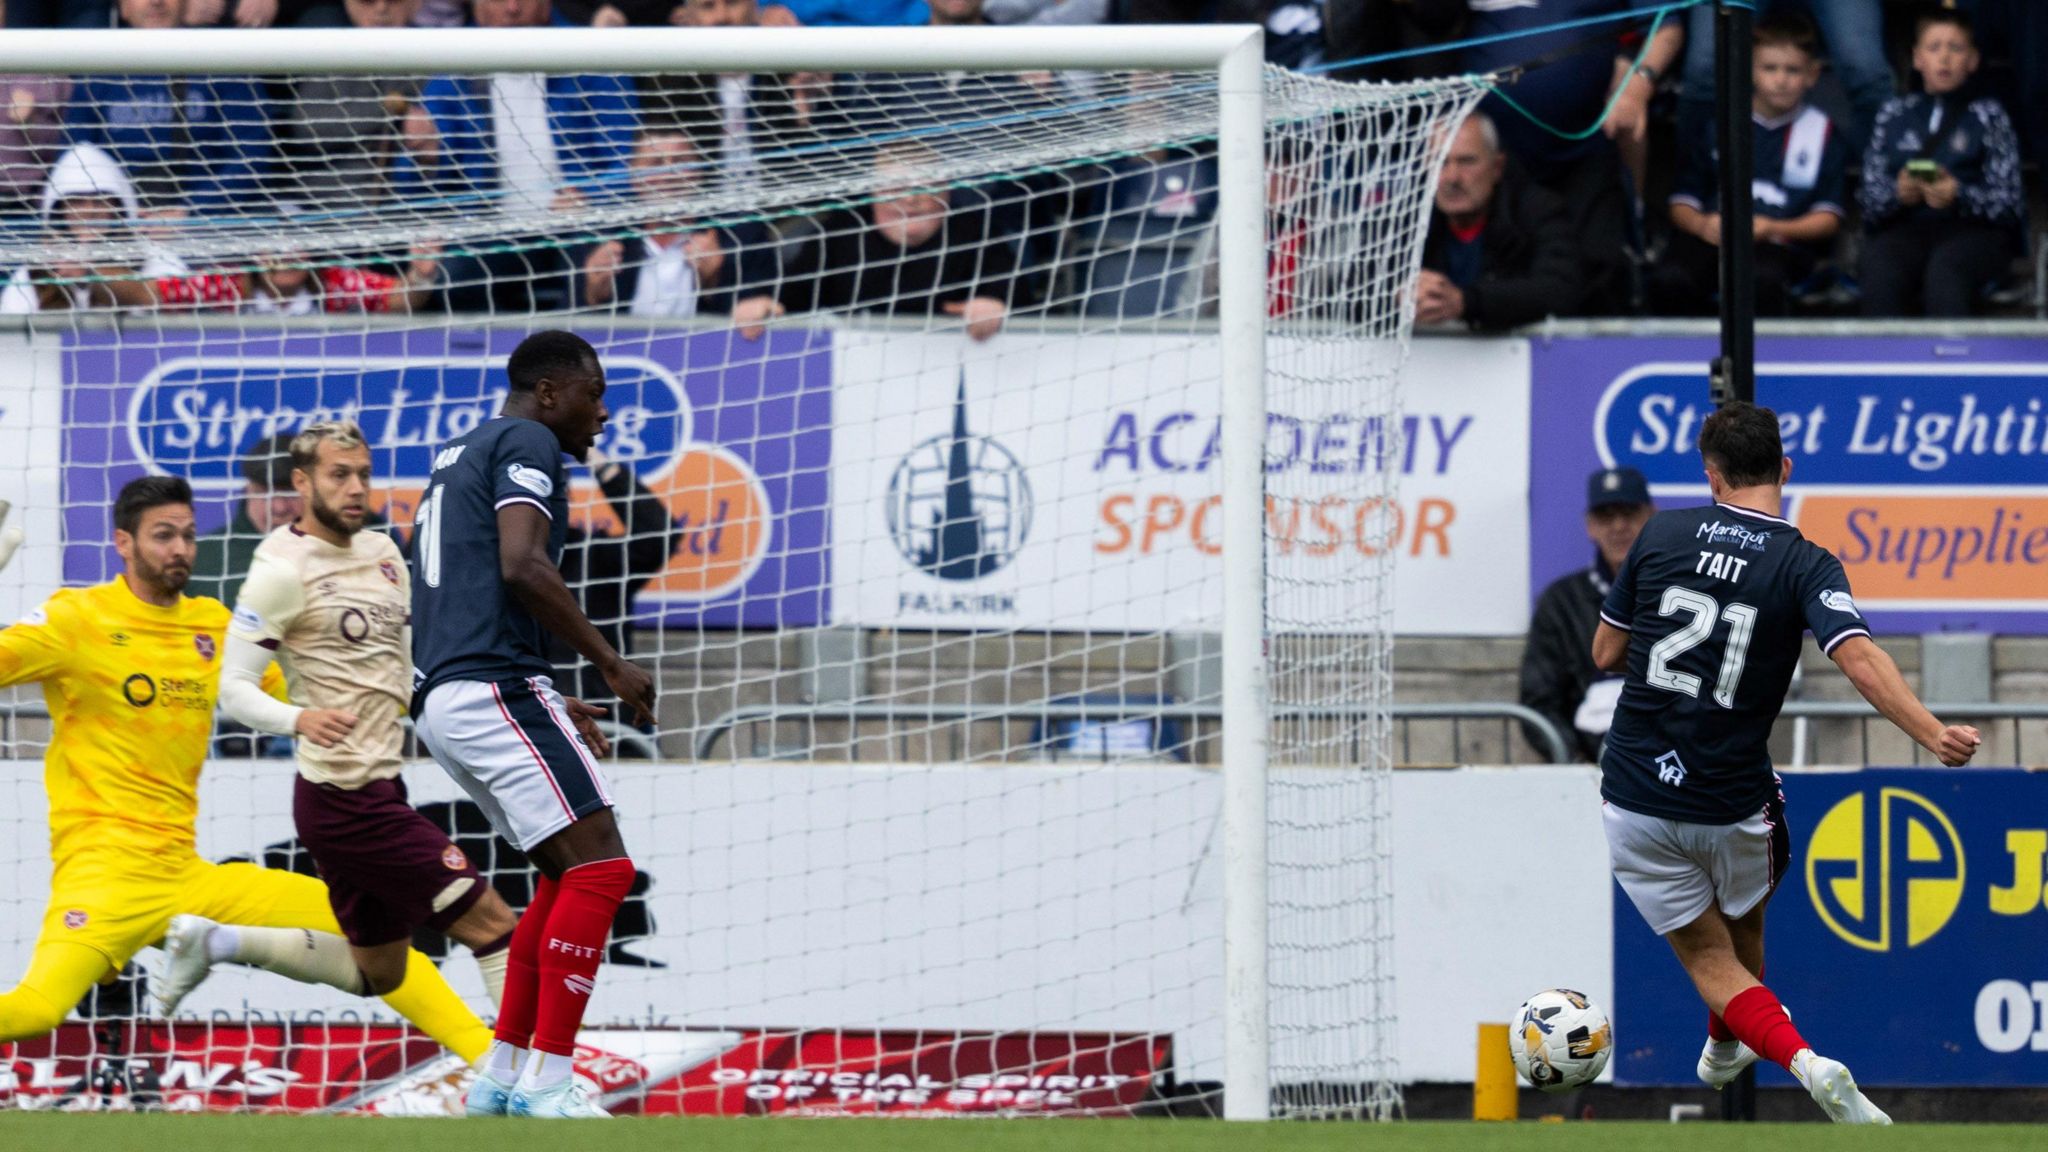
(1801, 163)
(1941, 192)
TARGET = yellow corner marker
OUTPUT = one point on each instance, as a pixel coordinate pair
(1493, 1083)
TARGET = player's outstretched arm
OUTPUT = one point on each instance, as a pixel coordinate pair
(530, 574)
(1877, 678)
(1610, 648)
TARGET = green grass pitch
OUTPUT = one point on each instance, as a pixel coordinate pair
(45, 1132)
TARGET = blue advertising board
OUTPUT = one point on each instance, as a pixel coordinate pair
(734, 435)
(1909, 940)
(1921, 463)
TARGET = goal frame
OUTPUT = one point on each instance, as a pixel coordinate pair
(1233, 53)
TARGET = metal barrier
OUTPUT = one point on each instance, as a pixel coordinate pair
(1552, 743)
(2017, 715)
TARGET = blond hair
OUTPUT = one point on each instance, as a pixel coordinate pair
(343, 434)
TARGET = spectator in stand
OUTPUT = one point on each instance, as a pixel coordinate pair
(1559, 679)
(2021, 26)
(1356, 29)
(343, 134)
(31, 137)
(913, 251)
(1500, 251)
(613, 13)
(1045, 11)
(264, 14)
(58, 13)
(928, 99)
(528, 141)
(1853, 32)
(1941, 194)
(674, 267)
(1801, 164)
(608, 571)
(88, 199)
(734, 117)
(1567, 90)
(268, 500)
(848, 13)
(190, 144)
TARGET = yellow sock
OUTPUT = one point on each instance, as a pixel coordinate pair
(434, 1008)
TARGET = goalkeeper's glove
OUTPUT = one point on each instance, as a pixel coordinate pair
(10, 539)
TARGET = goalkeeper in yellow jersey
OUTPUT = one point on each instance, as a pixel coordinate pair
(130, 669)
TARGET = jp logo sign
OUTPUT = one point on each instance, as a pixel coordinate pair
(1885, 869)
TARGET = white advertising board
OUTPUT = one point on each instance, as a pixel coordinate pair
(1015, 897)
(1073, 484)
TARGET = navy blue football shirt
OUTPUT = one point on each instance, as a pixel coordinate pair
(465, 624)
(1716, 601)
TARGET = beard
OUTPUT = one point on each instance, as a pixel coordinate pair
(170, 581)
(331, 518)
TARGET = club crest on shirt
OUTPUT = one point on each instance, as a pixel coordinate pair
(389, 570)
(453, 859)
(204, 644)
(75, 918)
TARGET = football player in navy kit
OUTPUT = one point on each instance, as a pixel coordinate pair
(487, 542)
(1706, 617)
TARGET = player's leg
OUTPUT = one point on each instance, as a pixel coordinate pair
(1746, 862)
(59, 975)
(512, 742)
(283, 922)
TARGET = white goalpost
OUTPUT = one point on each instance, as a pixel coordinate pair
(1021, 408)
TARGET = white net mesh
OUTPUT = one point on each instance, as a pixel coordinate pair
(916, 400)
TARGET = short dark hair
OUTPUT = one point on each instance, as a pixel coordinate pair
(550, 353)
(1788, 30)
(1936, 17)
(268, 463)
(145, 492)
(1740, 441)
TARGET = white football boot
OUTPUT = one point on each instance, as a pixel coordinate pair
(1831, 1087)
(564, 1101)
(1722, 1061)
(188, 961)
(488, 1097)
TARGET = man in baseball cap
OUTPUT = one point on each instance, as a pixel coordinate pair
(1558, 676)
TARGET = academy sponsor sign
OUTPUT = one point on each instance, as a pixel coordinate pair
(1080, 486)
(1910, 933)
(732, 435)
(1921, 464)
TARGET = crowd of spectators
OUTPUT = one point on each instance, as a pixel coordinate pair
(1889, 163)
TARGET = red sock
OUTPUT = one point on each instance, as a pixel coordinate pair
(1758, 1020)
(1717, 1028)
(522, 969)
(574, 946)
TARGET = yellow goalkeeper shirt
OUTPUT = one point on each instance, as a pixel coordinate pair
(130, 688)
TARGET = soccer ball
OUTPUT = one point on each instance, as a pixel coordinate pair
(1560, 1040)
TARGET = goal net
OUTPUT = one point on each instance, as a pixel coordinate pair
(913, 498)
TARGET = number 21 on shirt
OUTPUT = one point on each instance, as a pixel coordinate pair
(1706, 612)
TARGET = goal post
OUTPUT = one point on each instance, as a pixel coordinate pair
(1231, 331)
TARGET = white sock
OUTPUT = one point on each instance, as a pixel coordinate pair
(492, 969)
(298, 953)
(503, 1062)
(221, 942)
(545, 1070)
